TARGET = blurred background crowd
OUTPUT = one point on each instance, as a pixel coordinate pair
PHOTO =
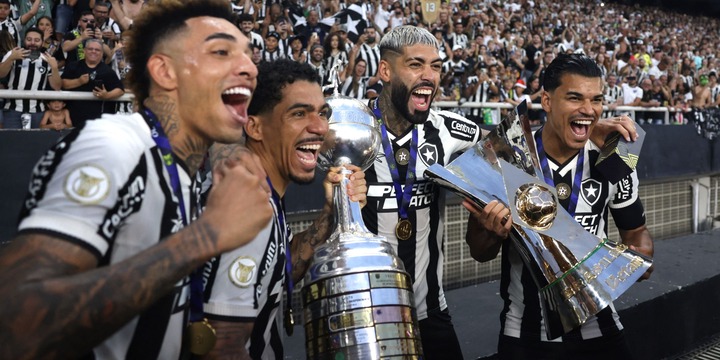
(493, 50)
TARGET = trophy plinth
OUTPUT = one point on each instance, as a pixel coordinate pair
(358, 299)
(577, 273)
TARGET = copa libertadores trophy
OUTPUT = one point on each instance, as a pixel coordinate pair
(578, 274)
(358, 299)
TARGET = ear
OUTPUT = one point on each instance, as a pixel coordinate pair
(162, 71)
(384, 71)
(545, 101)
(253, 128)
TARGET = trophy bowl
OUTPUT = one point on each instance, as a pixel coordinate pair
(357, 297)
(353, 137)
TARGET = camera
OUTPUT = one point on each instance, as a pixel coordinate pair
(97, 83)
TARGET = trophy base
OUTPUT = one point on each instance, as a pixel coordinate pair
(367, 315)
(590, 286)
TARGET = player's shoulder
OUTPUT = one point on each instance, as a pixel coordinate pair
(457, 125)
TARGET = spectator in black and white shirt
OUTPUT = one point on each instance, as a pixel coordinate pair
(28, 69)
(368, 50)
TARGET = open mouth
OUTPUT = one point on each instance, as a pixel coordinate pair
(580, 127)
(421, 98)
(307, 154)
(236, 100)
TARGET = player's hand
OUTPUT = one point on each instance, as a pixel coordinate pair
(622, 124)
(50, 60)
(238, 205)
(494, 217)
(356, 188)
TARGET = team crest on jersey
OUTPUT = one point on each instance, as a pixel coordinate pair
(87, 184)
(42, 69)
(428, 153)
(590, 191)
(243, 271)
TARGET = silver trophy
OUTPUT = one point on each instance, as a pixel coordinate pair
(358, 299)
(578, 274)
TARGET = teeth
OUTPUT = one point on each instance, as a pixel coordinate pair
(583, 122)
(423, 92)
(309, 147)
(237, 91)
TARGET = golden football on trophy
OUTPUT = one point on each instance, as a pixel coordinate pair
(536, 206)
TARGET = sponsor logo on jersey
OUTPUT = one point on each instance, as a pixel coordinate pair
(87, 184)
(590, 190)
(461, 130)
(625, 190)
(129, 200)
(428, 153)
(423, 194)
(589, 222)
(243, 271)
(41, 173)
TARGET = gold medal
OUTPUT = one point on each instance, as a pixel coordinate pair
(563, 191)
(201, 336)
(403, 229)
(289, 322)
(402, 156)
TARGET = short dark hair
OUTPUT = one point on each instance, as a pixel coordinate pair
(273, 76)
(159, 21)
(36, 30)
(578, 64)
(5, 2)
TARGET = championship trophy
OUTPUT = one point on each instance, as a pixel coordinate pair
(578, 274)
(357, 297)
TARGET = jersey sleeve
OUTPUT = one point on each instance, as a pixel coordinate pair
(625, 205)
(76, 188)
(463, 133)
(235, 283)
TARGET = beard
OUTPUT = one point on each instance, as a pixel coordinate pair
(400, 98)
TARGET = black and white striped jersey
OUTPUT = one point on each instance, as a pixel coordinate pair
(27, 74)
(443, 134)
(371, 55)
(715, 94)
(358, 92)
(521, 316)
(105, 188)
(12, 26)
(482, 94)
(271, 56)
(611, 96)
(246, 285)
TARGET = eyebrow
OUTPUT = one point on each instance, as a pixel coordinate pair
(223, 36)
(577, 94)
(306, 107)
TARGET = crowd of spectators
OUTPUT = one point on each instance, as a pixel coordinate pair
(493, 50)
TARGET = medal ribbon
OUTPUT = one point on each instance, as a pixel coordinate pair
(279, 205)
(403, 196)
(163, 143)
(572, 206)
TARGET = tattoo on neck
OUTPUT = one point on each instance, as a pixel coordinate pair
(394, 121)
(164, 108)
(192, 151)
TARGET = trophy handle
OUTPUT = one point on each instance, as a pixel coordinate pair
(348, 212)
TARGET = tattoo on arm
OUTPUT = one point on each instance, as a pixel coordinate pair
(231, 339)
(55, 292)
(304, 243)
(220, 152)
